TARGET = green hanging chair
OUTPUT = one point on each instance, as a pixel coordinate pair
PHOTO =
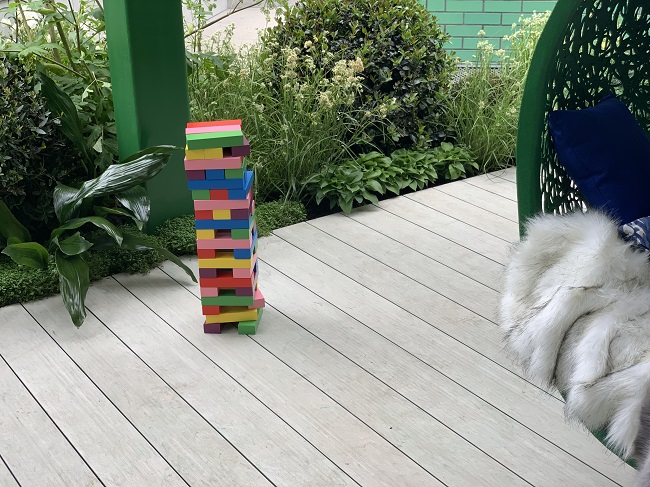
(587, 48)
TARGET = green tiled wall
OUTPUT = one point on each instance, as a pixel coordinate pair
(463, 19)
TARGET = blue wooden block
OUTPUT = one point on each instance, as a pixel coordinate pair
(215, 174)
(246, 253)
(240, 194)
(227, 183)
(222, 224)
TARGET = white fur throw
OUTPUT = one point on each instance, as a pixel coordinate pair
(576, 312)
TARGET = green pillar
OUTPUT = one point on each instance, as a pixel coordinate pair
(146, 53)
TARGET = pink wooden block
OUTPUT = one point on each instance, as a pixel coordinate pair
(258, 302)
(244, 273)
(209, 292)
(213, 128)
(224, 243)
(225, 163)
(223, 204)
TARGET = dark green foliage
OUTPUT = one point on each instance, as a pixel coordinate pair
(178, 235)
(401, 47)
(34, 152)
(278, 214)
(22, 284)
(373, 175)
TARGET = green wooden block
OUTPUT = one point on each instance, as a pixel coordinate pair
(235, 173)
(250, 327)
(201, 194)
(214, 140)
(243, 233)
(227, 298)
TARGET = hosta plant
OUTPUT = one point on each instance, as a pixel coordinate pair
(373, 174)
(80, 208)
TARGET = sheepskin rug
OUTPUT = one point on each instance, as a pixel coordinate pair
(576, 315)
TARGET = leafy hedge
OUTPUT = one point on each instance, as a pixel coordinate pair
(22, 284)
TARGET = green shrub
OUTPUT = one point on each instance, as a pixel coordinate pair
(70, 45)
(278, 214)
(373, 175)
(400, 47)
(295, 129)
(34, 153)
(178, 235)
(484, 105)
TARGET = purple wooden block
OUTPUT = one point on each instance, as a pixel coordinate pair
(243, 291)
(209, 273)
(243, 150)
(212, 327)
(241, 214)
(193, 175)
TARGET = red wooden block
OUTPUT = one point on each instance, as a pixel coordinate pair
(211, 310)
(226, 282)
(206, 253)
(193, 174)
(218, 194)
(203, 214)
(216, 122)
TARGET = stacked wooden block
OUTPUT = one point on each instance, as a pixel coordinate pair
(226, 233)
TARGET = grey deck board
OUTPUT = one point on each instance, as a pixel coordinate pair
(378, 362)
(28, 439)
(6, 476)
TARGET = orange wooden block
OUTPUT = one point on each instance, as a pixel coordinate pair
(203, 214)
(211, 310)
(206, 253)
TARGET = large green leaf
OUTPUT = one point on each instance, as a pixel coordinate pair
(136, 199)
(98, 221)
(29, 254)
(117, 178)
(73, 245)
(10, 227)
(74, 281)
(133, 242)
(64, 197)
(62, 106)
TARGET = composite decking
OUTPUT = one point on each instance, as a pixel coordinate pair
(378, 363)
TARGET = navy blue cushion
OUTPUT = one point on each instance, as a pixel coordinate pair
(607, 153)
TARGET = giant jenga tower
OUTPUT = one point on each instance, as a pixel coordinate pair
(226, 233)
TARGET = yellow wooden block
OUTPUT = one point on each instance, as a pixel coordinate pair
(232, 315)
(225, 261)
(205, 234)
(213, 153)
(193, 155)
(221, 214)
